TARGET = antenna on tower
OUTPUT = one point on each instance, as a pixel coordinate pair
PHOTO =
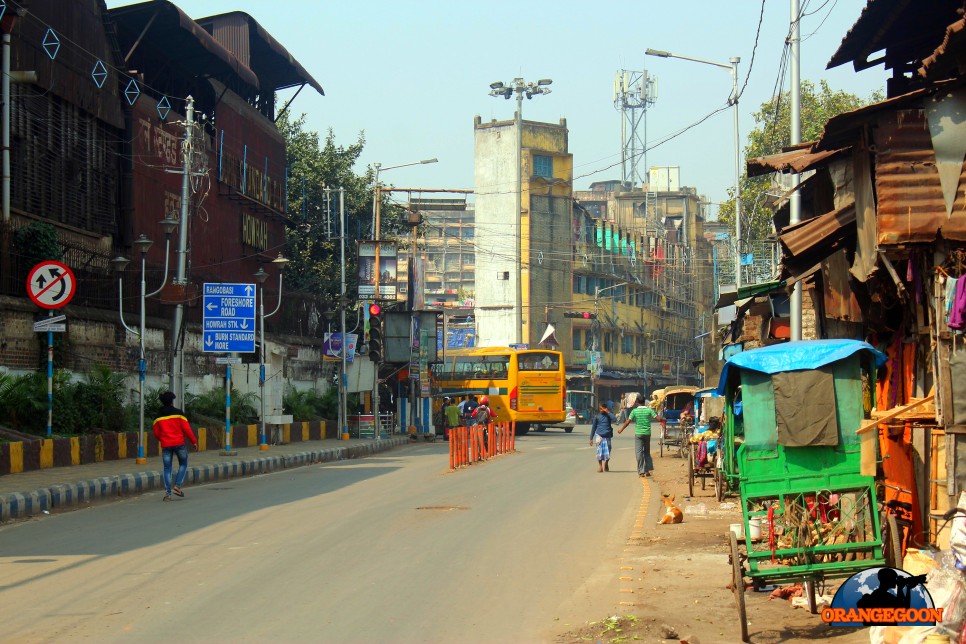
(633, 92)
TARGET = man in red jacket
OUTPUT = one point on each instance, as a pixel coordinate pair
(171, 428)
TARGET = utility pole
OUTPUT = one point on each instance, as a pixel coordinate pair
(795, 201)
(180, 278)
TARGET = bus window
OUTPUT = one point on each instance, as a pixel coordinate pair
(535, 361)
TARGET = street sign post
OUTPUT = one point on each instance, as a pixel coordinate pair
(227, 360)
(51, 285)
(229, 318)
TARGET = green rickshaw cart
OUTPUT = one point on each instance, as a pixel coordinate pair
(791, 449)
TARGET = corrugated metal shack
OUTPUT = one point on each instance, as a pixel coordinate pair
(881, 249)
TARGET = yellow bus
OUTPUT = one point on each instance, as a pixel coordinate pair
(524, 385)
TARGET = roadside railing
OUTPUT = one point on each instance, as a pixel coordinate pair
(468, 445)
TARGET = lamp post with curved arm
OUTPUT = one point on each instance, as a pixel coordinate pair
(733, 101)
(119, 263)
(597, 292)
(260, 277)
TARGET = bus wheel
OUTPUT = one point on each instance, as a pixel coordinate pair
(523, 429)
(568, 429)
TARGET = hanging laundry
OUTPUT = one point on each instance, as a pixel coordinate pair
(957, 316)
(950, 295)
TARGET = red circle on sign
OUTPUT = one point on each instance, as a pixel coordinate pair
(51, 285)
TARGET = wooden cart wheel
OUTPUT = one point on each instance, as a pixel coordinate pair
(890, 540)
(739, 583)
(718, 485)
(690, 473)
(663, 436)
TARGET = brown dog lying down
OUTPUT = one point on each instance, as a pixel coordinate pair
(672, 513)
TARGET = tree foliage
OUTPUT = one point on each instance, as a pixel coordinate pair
(313, 241)
(771, 135)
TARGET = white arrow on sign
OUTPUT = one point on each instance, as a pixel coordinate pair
(211, 305)
(244, 324)
(248, 290)
(208, 341)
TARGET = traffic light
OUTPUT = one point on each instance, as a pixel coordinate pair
(375, 333)
(580, 314)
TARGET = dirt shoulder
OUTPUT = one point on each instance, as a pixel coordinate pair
(676, 579)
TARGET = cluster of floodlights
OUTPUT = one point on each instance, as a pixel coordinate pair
(520, 87)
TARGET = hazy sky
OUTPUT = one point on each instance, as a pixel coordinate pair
(412, 75)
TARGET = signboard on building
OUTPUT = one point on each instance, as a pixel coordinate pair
(377, 262)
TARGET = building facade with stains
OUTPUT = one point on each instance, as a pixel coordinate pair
(98, 151)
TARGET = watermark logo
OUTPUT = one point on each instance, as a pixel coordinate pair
(883, 597)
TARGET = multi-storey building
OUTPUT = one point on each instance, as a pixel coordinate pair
(524, 254)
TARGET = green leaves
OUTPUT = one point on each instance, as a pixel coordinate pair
(771, 135)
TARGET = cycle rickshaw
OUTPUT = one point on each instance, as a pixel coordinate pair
(791, 416)
(704, 440)
(676, 404)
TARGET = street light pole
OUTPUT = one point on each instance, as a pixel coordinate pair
(376, 208)
(520, 87)
(597, 292)
(119, 264)
(260, 277)
(732, 101)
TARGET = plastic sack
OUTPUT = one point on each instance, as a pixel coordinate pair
(946, 587)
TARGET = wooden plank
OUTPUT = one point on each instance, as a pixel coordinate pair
(892, 413)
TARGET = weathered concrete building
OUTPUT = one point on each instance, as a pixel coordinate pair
(523, 253)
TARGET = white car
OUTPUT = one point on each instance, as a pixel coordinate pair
(568, 424)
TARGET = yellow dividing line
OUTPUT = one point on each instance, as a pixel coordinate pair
(625, 581)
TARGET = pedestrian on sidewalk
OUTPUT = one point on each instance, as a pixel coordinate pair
(601, 434)
(452, 413)
(173, 432)
(642, 415)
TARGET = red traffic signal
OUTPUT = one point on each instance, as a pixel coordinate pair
(375, 309)
(580, 314)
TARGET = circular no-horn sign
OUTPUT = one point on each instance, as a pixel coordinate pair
(51, 285)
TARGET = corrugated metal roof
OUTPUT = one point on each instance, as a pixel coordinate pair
(272, 63)
(793, 161)
(809, 242)
(944, 61)
(905, 29)
(183, 40)
(908, 191)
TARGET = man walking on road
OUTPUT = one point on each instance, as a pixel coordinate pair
(642, 415)
(173, 432)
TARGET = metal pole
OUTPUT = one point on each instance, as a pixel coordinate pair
(228, 408)
(50, 379)
(142, 368)
(519, 216)
(344, 380)
(177, 377)
(795, 202)
(376, 207)
(6, 127)
(734, 97)
(263, 441)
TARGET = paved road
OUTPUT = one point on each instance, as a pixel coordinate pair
(392, 547)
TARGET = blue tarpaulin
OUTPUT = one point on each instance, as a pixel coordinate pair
(796, 356)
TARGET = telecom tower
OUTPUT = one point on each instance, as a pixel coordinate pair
(633, 92)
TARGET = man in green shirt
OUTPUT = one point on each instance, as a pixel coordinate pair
(452, 413)
(641, 416)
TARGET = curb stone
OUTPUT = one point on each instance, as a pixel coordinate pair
(17, 505)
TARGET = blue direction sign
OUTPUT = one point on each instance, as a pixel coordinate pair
(229, 318)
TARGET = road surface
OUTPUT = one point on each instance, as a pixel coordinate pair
(391, 548)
